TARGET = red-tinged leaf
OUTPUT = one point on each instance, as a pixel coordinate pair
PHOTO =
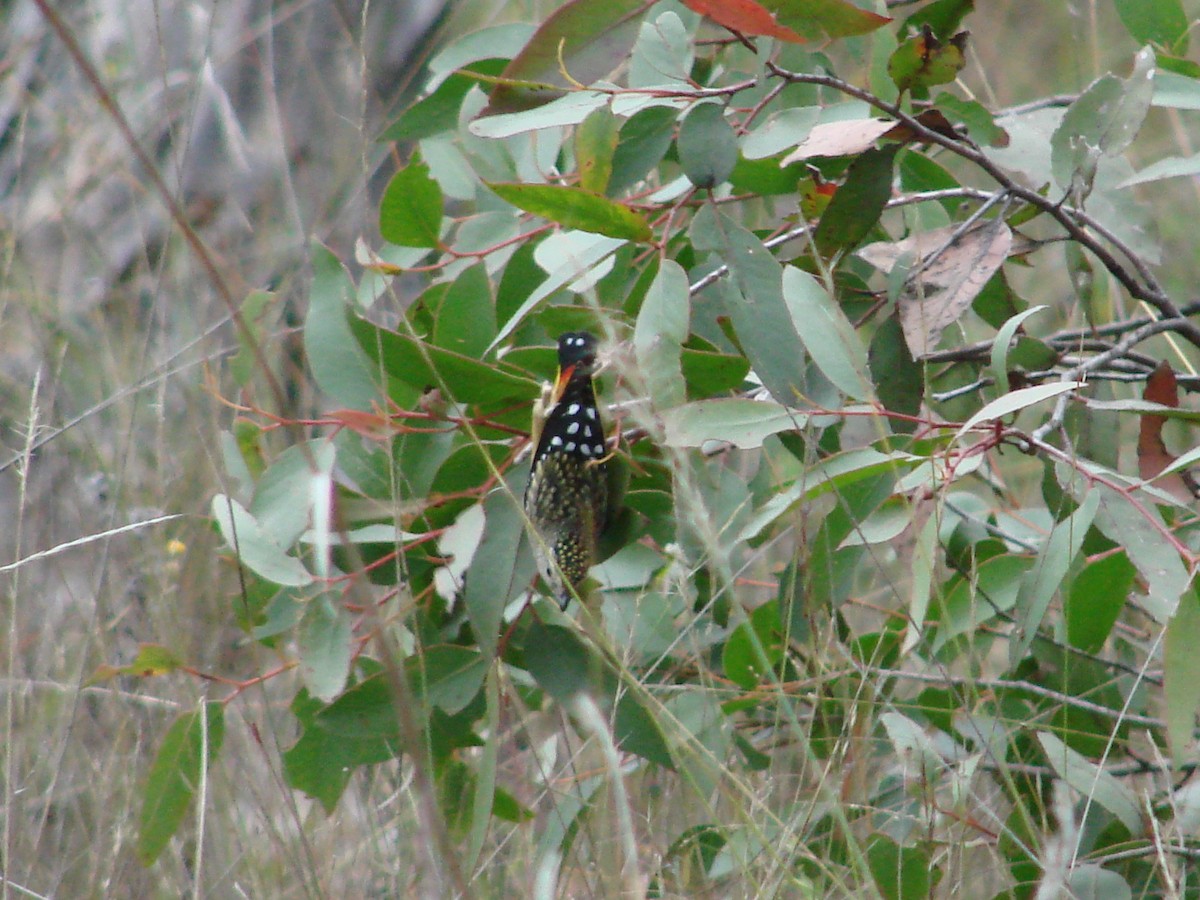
(592, 39)
(815, 195)
(1153, 456)
(744, 17)
(576, 208)
(832, 18)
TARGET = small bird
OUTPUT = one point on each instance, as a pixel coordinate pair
(567, 496)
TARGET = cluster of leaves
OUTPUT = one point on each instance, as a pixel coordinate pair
(817, 355)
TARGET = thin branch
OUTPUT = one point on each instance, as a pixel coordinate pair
(1073, 221)
(999, 684)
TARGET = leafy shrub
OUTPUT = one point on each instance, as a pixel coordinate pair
(884, 611)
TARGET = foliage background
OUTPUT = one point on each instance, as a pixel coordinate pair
(263, 120)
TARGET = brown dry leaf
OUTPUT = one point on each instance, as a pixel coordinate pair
(1153, 456)
(940, 289)
(847, 138)
(933, 119)
(854, 136)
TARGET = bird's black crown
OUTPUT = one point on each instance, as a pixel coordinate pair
(577, 351)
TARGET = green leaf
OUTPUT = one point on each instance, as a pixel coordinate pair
(595, 143)
(1143, 408)
(708, 373)
(253, 311)
(337, 363)
(741, 422)
(981, 125)
(781, 131)
(814, 19)
(923, 61)
(1090, 780)
(858, 203)
(438, 112)
(1097, 596)
(663, 54)
(707, 146)
(1089, 881)
(578, 257)
(590, 38)
(1051, 567)
(322, 760)
(494, 41)
(282, 499)
(1142, 533)
(1159, 22)
(572, 109)
(1176, 91)
(944, 17)
(1103, 121)
(756, 642)
(559, 661)
(1000, 346)
(576, 208)
(502, 567)
(151, 660)
(449, 676)
(827, 334)
(1181, 677)
(636, 731)
(658, 336)
(466, 320)
(993, 589)
(255, 550)
(410, 213)
(645, 138)
(836, 473)
(901, 873)
(899, 380)
(1172, 167)
(753, 299)
(325, 646)
(365, 712)
(1014, 401)
(421, 365)
(186, 753)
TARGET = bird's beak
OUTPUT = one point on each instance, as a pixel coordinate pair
(564, 377)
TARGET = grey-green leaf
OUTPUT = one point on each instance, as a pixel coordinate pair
(707, 146)
(827, 334)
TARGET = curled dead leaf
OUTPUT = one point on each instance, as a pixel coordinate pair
(947, 272)
(1153, 456)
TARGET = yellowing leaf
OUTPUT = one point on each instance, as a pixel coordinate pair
(576, 208)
